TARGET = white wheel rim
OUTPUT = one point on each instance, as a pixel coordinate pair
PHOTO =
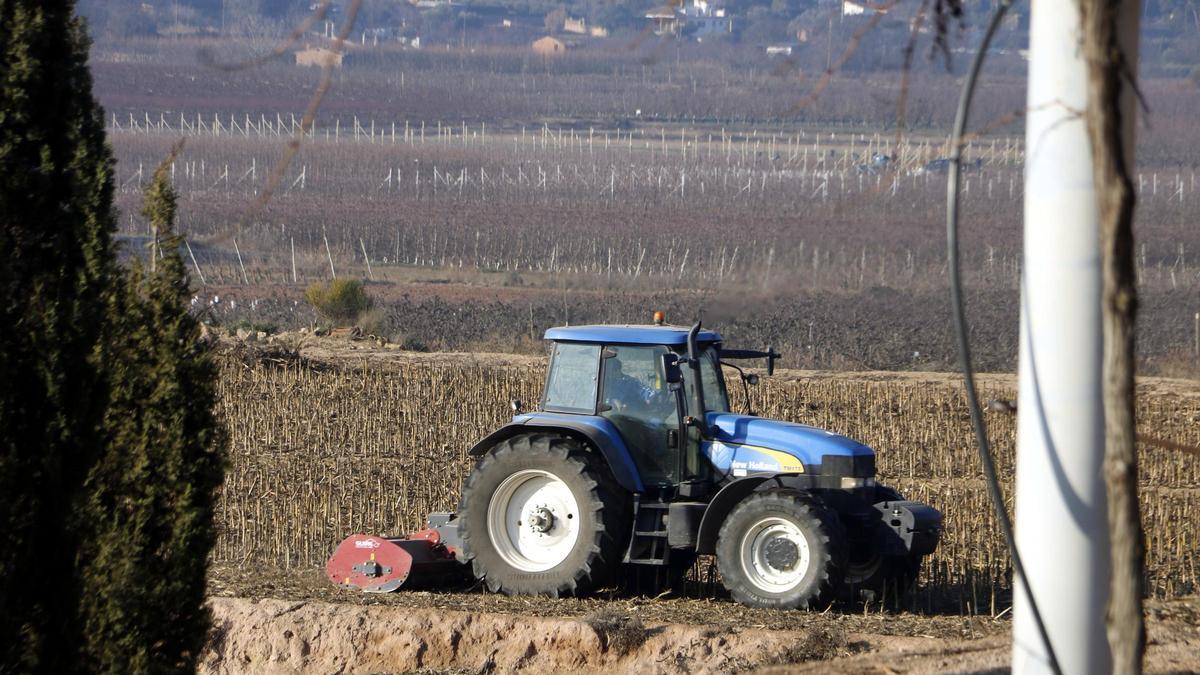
(762, 573)
(533, 520)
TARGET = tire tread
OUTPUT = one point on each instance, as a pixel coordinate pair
(603, 497)
(832, 550)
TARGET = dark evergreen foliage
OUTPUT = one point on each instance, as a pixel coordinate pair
(150, 497)
(109, 452)
(56, 222)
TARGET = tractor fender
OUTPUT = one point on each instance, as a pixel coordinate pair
(723, 502)
(595, 432)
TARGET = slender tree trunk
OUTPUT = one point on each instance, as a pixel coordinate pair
(1111, 82)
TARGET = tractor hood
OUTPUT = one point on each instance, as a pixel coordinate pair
(742, 444)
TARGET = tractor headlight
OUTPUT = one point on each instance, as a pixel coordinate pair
(853, 483)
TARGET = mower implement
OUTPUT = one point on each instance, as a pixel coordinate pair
(382, 565)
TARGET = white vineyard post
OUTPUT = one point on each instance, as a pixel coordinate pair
(245, 279)
(367, 258)
(194, 263)
(329, 253)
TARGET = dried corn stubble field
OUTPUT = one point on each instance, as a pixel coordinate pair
(371, 440)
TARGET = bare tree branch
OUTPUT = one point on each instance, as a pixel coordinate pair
(275, 178)
(851, 47)
(1109, 73)
(910, 48)
(205, 56)
(314, 104)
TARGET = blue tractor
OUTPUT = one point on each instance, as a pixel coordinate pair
(635, 464)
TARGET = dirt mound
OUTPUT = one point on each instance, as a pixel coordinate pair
(283, 636)
(286, 636)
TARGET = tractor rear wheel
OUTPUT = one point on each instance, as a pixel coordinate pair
(540, 515)
(782, 549)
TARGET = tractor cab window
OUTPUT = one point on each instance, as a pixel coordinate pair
(716, 399)
(571, 383)
(636, 399)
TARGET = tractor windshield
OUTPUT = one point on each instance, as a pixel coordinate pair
(716, 399)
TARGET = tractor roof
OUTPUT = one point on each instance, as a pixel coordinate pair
(635, 335)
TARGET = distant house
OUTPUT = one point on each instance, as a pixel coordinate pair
(706, 17)
(549, 46)
(780, 50)
(692, 18)
(577, 26)
(861, 7)
(319, 56)
(581, 27)
(664, 22)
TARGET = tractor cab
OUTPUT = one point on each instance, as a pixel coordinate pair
(630, 377)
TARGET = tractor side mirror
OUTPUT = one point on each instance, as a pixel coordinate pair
(670, 367)
(752, 379)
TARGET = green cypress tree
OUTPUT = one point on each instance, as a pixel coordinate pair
(151, 495)
(56, 262)
(109, 452)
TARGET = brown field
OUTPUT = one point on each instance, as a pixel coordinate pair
(838, 263)
(341, 438)
(488, 195)
(545, 206)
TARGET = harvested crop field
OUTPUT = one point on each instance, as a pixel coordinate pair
(331, 436)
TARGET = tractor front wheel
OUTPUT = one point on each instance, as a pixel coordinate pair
(872, 575)
(875, 577)
(540, 515)
(782, 549)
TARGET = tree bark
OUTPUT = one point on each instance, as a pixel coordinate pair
(1111, 73)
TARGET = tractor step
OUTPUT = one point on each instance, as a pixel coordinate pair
(648, 538)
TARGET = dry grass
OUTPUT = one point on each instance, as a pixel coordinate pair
(319, 453)
(618, 631)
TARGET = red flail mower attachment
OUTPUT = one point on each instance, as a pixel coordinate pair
(382, 565)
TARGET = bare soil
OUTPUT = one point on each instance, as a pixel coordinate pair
(281, 621)
(833, 329)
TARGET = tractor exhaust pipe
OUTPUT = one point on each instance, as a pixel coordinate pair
(699, 418)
